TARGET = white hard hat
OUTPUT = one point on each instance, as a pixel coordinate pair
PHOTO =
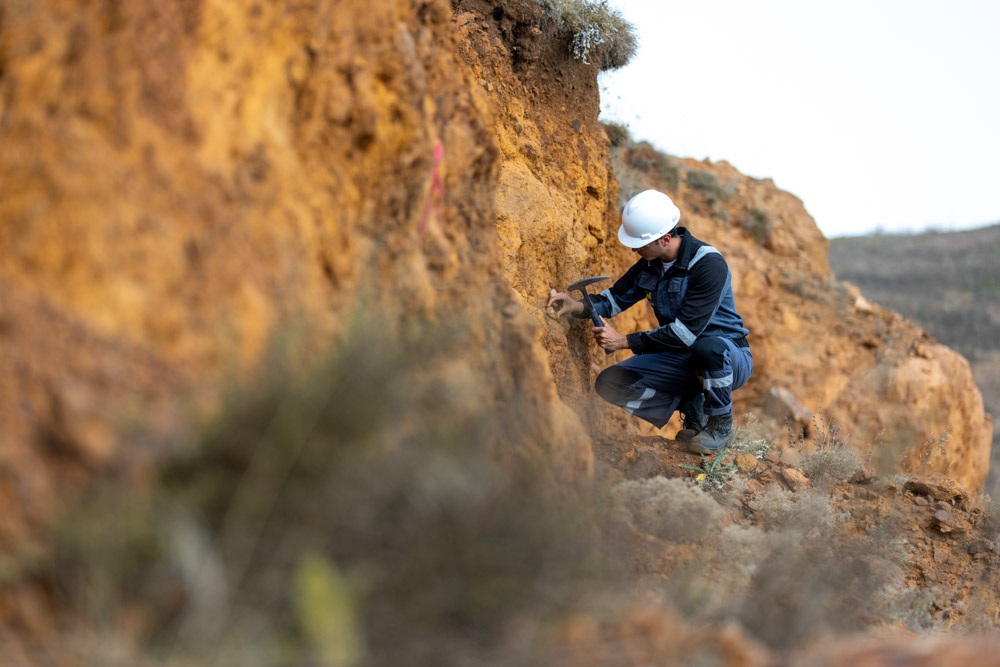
(646, 217)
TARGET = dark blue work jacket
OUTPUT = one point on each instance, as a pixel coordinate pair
(692, 298)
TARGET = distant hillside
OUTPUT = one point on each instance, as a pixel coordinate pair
(947, 283)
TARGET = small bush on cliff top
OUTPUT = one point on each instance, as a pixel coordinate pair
(597, 29)
(618, 134)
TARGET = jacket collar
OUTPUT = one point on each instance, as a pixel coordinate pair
(688, 247)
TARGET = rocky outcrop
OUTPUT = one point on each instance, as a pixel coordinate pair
(181, 183)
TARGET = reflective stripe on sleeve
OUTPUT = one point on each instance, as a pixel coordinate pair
(718, 382)
(683, 333)
(702, 252)
(615, 308)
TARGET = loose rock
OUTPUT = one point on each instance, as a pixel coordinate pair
(648, 464)
(863, 477)
(946, 522)
(747, 462)
(939, 487)
(794, 478)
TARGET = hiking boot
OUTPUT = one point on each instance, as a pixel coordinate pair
(718, 433)
(694, 418)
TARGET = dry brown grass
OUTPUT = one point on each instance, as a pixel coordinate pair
(672, 509)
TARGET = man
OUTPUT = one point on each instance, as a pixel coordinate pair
(698, 355)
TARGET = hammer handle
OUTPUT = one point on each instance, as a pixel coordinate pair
(593, 314)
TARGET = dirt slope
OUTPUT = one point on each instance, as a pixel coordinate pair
(819, 344)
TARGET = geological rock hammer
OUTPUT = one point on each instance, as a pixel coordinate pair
(582, 286)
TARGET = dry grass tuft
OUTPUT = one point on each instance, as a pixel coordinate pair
(832, 458)
(356, 509)
(751, 436)
(832, 463)
(670, 508)
(598, 31)
(807, 512)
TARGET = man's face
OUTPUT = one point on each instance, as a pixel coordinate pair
(653, 249)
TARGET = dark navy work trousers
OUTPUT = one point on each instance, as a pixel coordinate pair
(652, 386)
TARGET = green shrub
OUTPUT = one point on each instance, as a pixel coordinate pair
(709, 185)
(618, 134)
(758, 223)
(664, 169)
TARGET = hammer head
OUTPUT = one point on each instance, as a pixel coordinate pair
(584, 282)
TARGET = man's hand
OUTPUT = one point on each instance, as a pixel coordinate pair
(563, 303)
(608, 338)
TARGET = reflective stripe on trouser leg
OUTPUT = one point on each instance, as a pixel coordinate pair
(632, 406)
(722, 367)
(649, 386)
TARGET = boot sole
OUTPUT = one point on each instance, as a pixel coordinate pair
(696, 448)
(686, 435)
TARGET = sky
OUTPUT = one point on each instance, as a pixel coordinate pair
(881, 115)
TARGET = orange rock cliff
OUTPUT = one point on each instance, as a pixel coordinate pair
(180, 181)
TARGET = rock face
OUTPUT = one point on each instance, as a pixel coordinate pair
(182, 181)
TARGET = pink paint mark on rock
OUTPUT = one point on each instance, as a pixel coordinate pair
(436, 193)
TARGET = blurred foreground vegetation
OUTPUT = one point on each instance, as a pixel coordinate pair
(351, 515)
(360, 514)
